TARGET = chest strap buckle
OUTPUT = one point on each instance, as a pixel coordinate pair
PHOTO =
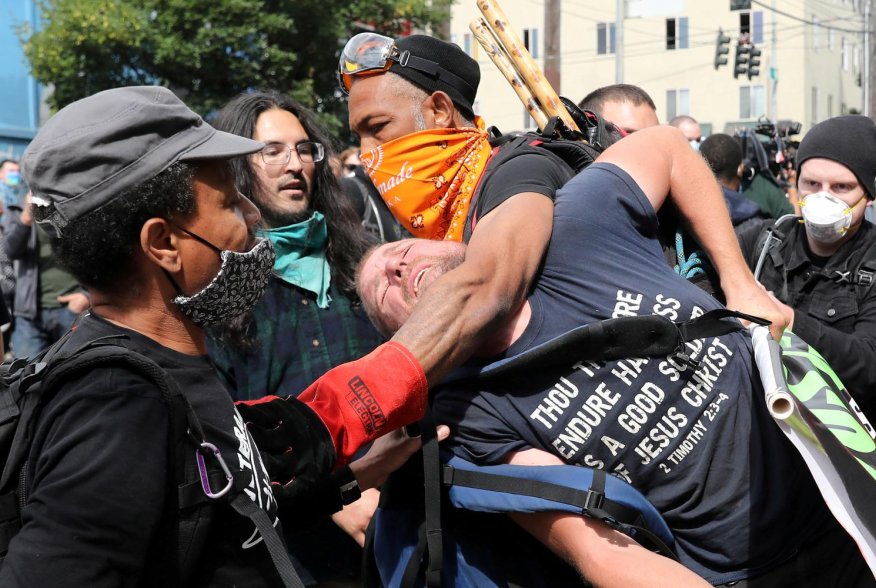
(865, 277)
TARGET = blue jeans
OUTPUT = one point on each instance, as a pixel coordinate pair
(29, 337)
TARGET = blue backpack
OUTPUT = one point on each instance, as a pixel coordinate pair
(442, 520)
(474, 550)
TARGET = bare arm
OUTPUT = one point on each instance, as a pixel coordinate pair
(354, 518)
(604, 557)
(464, 305)
(661, 162)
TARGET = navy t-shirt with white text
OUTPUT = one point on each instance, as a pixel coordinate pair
(697, 442)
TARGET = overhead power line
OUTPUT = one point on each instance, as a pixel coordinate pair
(810, 22)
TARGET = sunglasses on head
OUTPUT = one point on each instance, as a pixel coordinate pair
(370, 54)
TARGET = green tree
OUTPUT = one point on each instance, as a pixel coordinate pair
(209, 50)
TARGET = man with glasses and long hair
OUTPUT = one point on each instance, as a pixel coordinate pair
(309, 319)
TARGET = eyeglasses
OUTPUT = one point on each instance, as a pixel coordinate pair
(370, 53)
(280, 153)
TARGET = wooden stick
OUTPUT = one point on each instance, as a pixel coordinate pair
(523, 62)
(491, 45)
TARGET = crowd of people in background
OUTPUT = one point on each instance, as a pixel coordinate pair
(305, 358)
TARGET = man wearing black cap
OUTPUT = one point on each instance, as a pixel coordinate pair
(821, 268)
(411, 103)
(142, 475)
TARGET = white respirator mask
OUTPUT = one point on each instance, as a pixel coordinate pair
(827, 218)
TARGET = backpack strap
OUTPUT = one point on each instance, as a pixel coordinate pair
(429, 551)
(58, 366)
(865, 274)
(247, 508)
(611, 339)
(636, 518)
(769, 242)
(627, 516)
(22, 375)
(509, 146)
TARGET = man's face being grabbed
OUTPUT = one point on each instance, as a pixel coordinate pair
(394, 276)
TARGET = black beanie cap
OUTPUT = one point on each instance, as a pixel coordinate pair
(848, 140)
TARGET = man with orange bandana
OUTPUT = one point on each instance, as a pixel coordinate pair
(411, 103)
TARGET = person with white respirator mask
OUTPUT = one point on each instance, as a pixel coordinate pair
(820, 268)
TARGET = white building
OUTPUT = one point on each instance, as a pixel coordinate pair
(811, 63)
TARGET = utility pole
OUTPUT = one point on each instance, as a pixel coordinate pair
(619, 11)
(774, 67)
(552, 55)
(868, 75)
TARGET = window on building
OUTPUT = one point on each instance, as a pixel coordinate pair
(814, 104)
(830, 39)
(751, 102)
(677, 103)
(676, 33)
(744, 24)
(816, 32)
(604, 38)
(530, 41)
(829, 105)
(856, 57)
(757, 27)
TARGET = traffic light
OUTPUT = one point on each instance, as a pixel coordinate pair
(722, 48)
(741, 65)
(753, 62)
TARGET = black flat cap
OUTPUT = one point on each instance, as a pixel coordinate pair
(97, 148)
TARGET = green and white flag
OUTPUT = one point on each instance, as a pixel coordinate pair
(814, 410)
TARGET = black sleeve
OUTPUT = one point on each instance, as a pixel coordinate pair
(15, 233)
(99, 481)
(4, 313)
(528, 172)
(849, 354)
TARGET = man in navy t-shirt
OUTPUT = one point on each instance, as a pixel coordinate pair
(693, 436)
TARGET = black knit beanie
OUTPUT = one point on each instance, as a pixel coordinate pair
(848, 140)
(456, 74)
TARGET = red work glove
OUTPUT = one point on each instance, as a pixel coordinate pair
(364, 399)
(355, 403)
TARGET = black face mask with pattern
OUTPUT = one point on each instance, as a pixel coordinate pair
(237, 287)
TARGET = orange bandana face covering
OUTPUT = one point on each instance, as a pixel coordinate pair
(427, 178)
